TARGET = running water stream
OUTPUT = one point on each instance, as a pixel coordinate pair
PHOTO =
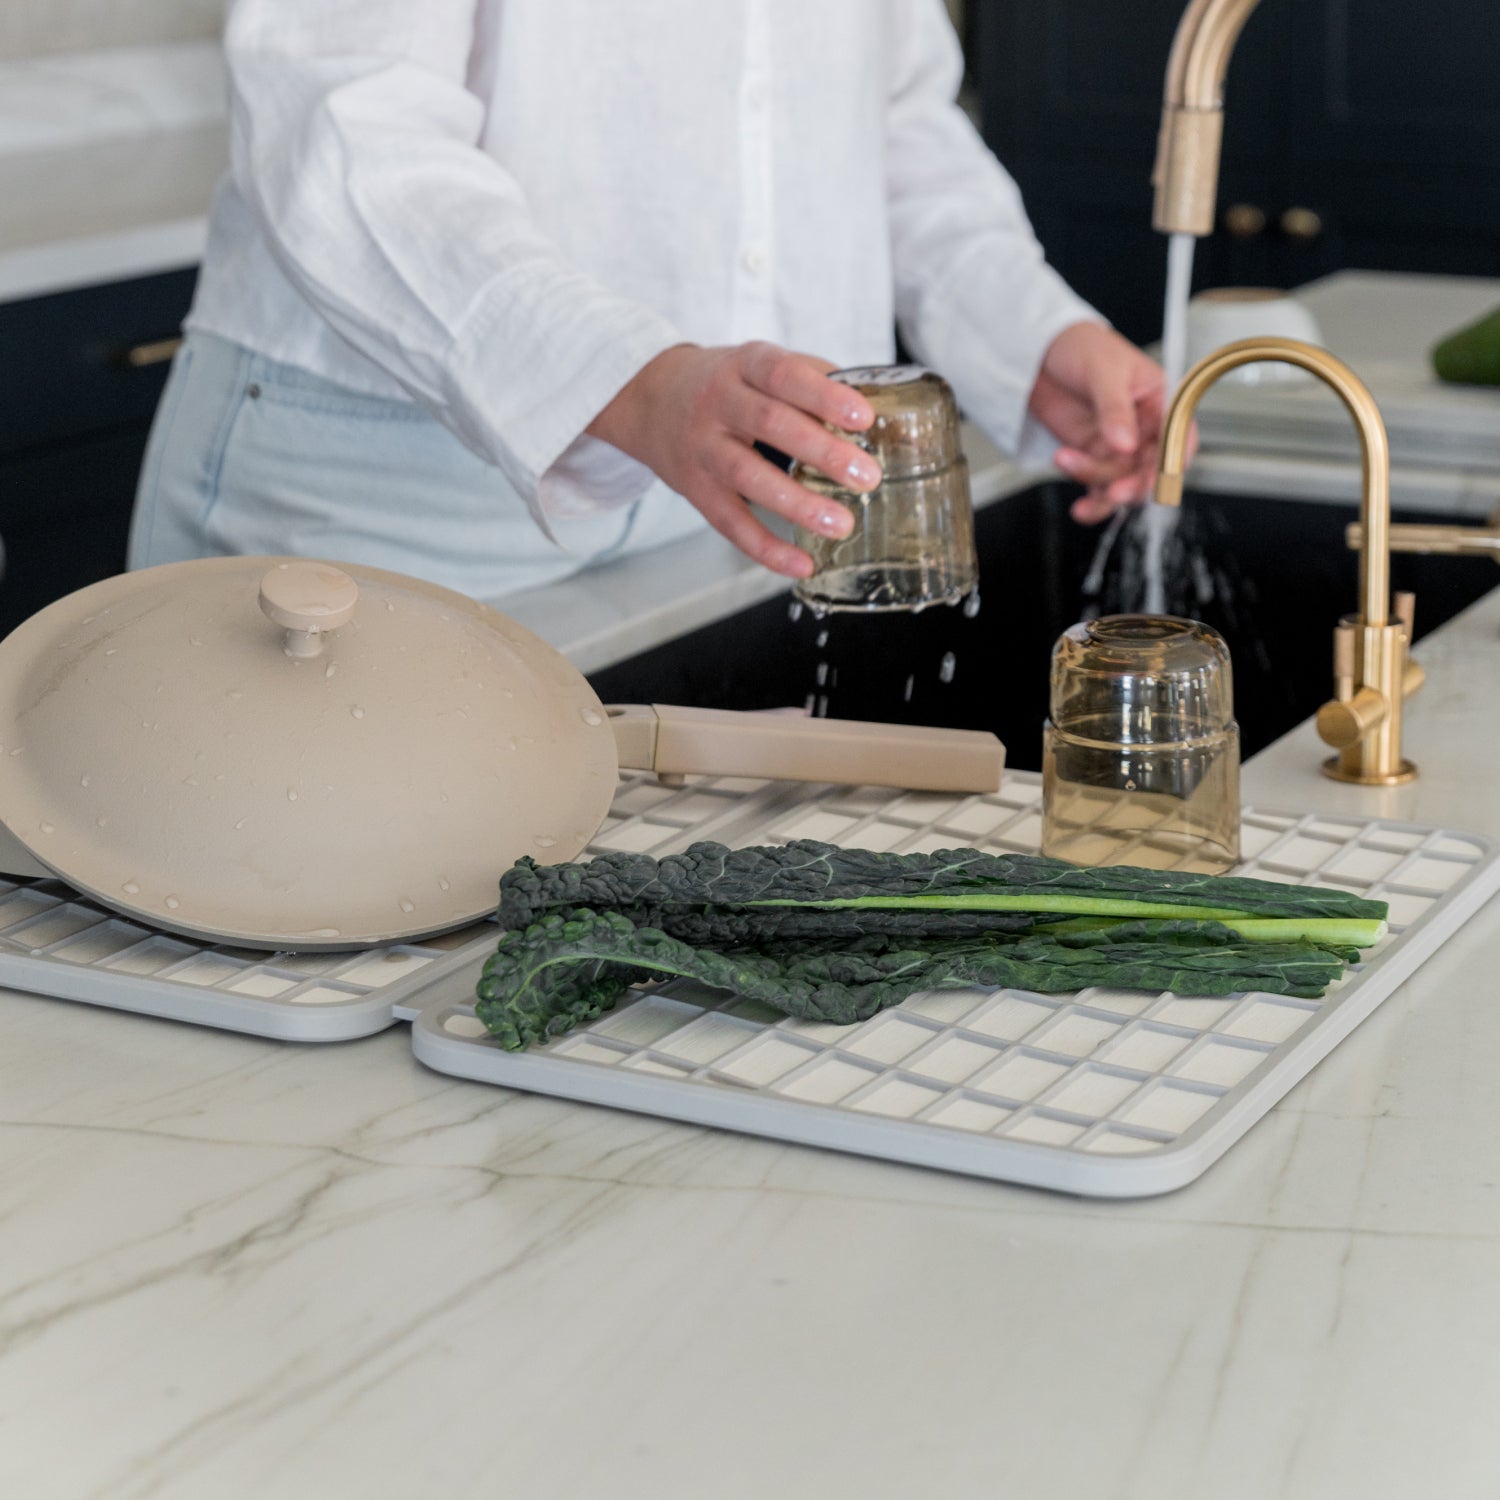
(1158, 522)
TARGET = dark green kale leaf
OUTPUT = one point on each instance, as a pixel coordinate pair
(569, 968)
(806, 872)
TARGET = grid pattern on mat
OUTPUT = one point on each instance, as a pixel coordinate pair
(55, 942)
(1103, 1072)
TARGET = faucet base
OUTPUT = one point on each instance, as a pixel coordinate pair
(1407, 771)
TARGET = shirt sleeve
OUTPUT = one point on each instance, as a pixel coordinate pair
(975, 297)
(356, 144)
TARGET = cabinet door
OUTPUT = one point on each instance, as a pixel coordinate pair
(1396, 155)
(64, 518)
(1070, 93)
(87, 360)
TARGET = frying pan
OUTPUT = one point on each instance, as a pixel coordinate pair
(288, 754)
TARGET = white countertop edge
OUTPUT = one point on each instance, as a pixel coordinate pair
(95, 260)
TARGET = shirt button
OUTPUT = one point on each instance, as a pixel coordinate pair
(754, 261)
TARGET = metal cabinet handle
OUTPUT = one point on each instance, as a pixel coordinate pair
(156, 352)
(1244, 220)
(1304, 224)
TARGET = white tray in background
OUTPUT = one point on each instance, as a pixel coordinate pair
(1113, 1093)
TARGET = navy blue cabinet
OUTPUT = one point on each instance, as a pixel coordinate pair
(80, 377)
(1358, 133)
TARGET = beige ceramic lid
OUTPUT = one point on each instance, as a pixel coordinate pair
(288, 754)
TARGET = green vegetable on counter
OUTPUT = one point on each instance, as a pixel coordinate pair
(1470, 356)
(566, 970)
(835, 935)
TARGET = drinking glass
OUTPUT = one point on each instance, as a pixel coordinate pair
(1141, 754)
(913, 539)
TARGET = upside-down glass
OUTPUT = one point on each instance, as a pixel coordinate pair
(1141, 755)
(913, 538)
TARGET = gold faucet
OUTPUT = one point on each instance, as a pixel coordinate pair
(1372, 670)
(1186, 174)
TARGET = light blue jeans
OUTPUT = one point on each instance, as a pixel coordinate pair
(250, 457)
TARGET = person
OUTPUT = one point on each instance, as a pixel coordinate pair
(496, 290)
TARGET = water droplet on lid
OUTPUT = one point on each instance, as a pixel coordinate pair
(190, 781)
(83, 781)
(111, 651)
(330, 669)
(235, 694)
(242, 822)
(131, 888)
(291, 794)
(16, 751)
(390, 607)
(590, 716)
(444, 884)
(47, 828)
(544, 841)
(194, 641)
(407, 906)
(100, 822)
(172, 903)
(356, 713)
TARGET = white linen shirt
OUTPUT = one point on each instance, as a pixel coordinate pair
(502, 209)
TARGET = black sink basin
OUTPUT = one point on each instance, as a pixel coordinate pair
(1272, 576)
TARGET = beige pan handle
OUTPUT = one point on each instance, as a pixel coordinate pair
(712, 741)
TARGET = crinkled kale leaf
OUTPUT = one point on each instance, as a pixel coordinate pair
(569, 968)
(835, 935)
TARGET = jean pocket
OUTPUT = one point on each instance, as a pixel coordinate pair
(282, 385)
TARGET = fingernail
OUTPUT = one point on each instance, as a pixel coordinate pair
(835, 523)
(854, 416)
(1121, 438)
(1066, 461)
(863, 473)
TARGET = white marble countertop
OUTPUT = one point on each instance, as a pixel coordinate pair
(238, 1268)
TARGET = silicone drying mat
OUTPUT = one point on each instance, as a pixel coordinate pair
(1108, 1092)
(1115, 1093)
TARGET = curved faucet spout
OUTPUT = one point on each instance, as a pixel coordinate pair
(1372, 672)
(1375, 457)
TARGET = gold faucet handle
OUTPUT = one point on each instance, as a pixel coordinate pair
(1343, 722)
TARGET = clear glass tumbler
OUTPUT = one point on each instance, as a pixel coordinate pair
(1141, 755)
(913, 538)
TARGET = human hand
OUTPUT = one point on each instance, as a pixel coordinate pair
(1103, 398)
(692, 416)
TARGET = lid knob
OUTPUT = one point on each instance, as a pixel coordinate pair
(307, 599)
